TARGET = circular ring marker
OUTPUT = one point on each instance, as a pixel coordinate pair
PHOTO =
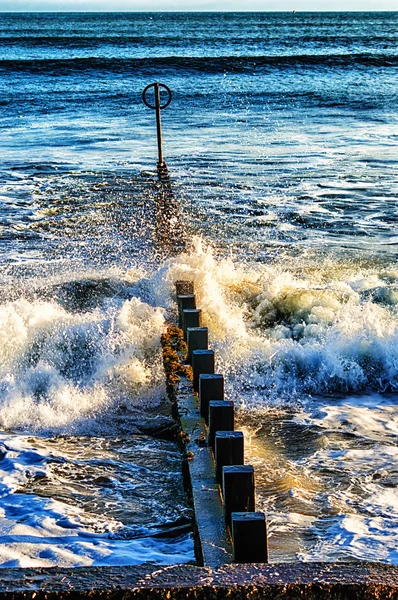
(152, 85)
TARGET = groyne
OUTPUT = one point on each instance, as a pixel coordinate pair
(227, 528)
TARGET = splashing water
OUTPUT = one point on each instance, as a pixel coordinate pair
(82, 371)
(60, 369)
(311, 358)
(296, 275)
(285, 339)
(281, 335)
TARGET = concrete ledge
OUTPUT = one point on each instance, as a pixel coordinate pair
(308, 581)
(211, 537)
(212, 534)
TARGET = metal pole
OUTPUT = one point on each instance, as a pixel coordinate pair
(162, 167)
(158, 125)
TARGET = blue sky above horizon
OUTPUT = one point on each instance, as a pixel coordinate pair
(193, 5)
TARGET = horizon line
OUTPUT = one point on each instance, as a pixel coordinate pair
(295, 11)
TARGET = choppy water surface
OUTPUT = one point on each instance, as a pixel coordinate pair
(91, 472)
(281, 143)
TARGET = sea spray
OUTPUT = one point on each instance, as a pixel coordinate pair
(280, 333)
(59, 369)
(299, 346)
(82, 356)
(285, 333)
(304, 206)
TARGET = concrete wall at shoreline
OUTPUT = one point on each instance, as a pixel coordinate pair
(307, 581)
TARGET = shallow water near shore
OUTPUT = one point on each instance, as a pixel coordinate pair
(281, 145)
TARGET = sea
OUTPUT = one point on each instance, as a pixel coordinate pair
(281, 143)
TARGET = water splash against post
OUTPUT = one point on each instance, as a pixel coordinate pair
(170, 236)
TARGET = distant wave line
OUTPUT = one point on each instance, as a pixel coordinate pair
(70, 40)
(204, 64)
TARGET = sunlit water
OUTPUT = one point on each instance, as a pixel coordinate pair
(281, 141)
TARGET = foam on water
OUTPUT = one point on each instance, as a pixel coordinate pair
(77, 359)
(286, 339)
(60, 369)
(295, 344)
(283, 332)
(42, 531)
(298, 339)
(327, 478)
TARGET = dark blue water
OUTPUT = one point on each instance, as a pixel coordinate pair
(281, 143)
(298, 109)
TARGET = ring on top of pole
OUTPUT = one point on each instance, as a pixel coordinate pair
(158, 107)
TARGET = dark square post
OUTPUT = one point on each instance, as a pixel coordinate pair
(211, 387)
(185, 301)
(191, 317)
(221, 418)
(197, 339)
(184, 287)
(202, 362)
(238, 490)
(249, 537)
(228, 450)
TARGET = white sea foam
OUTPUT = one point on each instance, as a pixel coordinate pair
(283, 338)
(283, 334)
(371, 416)
(36, 530)
(286, 341)
(59, 369)
(67, 366)
(278, 334)
(328, 477)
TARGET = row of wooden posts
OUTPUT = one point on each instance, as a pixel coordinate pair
(248, 529)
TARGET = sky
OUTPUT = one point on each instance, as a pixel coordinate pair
(184, 5)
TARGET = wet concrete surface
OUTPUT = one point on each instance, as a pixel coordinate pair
(273, 581)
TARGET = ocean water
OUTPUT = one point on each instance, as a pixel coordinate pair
(281, 143)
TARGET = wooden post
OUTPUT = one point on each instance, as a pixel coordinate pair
(228, 450)
(197, 339)
(184, 301)
(184, 287)
(191, 317)
(202, 362)
(211, 387)
(221, 418)
(238, 490)
(249, 537)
